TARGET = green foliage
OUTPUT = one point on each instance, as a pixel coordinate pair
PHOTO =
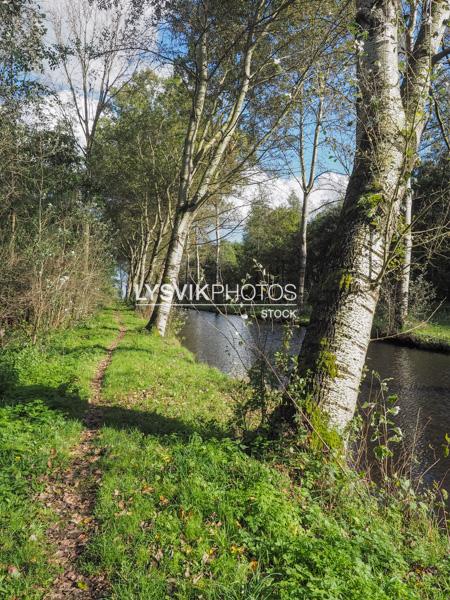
(431, 203)
(138, 148)
(370, 204)
(21, 52)
(322, 235)
(345, 282)
(53, 244)
(271, 239)
(422, 303)
(163, 387)
(326, 361)
(422, 298)
(322, 436)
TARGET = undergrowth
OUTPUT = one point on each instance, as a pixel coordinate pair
(186, 509)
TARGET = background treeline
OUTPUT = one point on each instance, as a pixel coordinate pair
(91, 191)
(55, 251)
(270, 239)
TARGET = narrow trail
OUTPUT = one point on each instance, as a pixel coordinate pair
(71, 495)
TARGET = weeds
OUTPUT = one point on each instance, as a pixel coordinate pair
(185, 508)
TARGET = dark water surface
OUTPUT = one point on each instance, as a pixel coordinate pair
(421, 379)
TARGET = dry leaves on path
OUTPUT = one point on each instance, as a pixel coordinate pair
(71, 495)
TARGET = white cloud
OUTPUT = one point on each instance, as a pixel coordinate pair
(329, 188)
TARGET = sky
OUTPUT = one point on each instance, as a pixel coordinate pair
(329, 186)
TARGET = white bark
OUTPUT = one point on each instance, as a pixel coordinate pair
(402, 300)
(161, 312)
(303, 250)
(198, 266)
(218, 276)
(390, 123)
(187, 205)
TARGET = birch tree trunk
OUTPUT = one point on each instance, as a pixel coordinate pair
(198, 266)
(390, 124)
(149, 276)
(303, 251)
(161, 312)
(186, 209)
(131, 278)
(402, 299)
(218, 276)
(203, 152)
(141, 268)
(12, 243)
(183, 217)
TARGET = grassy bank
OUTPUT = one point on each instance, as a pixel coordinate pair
(437, 330)
(433, 335)
(184, 510)
(43, 393)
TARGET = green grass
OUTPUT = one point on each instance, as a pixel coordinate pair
(162, 388)
(202, 519)
(438, 329)
(36, 437)
(185, 511)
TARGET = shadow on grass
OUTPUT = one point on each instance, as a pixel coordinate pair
(72, 406)
(79, 350)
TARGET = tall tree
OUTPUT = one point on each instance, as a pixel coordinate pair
(317, 110)
(307, 184)
(431, 220)
(90, 60)
(271, 240)
(21, 53)
(134, 167)
(230, 68)
(436, 138)
(391, 110)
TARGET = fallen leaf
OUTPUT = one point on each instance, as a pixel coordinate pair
(82, 585)
(13, 571)
(253, 564)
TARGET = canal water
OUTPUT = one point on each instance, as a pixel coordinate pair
(419, 378)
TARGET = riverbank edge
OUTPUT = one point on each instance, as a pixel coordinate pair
(418, 342)
(406, 340)
(183, 500)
